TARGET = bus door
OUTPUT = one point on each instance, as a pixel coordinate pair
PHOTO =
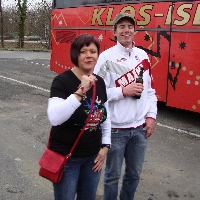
(184, 63)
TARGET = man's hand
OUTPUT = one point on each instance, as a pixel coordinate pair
(133, 89)
(150, 125)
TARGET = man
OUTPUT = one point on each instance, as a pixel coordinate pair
(132, 118)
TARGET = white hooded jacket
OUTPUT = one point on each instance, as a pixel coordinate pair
(119, 67)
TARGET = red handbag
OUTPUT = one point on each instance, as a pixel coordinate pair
(52, 163)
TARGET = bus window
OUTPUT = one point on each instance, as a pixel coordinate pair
(75, 3)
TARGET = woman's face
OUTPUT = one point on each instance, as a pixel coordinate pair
(88, 57)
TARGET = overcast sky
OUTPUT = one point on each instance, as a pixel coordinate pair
(13, 2)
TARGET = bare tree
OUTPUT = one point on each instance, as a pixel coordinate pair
(26, 19)
(22, 8)
(1, 22)
(10, 21)
(43, 26)
(34, 24)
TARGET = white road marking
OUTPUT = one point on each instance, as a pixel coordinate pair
(29, 85)
(179, 130)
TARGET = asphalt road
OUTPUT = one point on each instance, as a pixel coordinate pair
(171, 170)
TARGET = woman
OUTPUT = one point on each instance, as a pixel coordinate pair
(68, 108)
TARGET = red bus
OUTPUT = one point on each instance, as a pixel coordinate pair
(169, 31)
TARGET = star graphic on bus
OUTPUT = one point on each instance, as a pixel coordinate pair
(182, 45)
(100, 37)
(60, 22)
(147, 37)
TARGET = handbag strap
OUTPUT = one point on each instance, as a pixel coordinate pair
(89, 117)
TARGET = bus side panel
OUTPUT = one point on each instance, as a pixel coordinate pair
(184, 73)
(61, 42)
(109, 39)
(100, 35)
(184, 70)
(157, 48)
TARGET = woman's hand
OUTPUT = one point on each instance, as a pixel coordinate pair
(99, 161)
(87, 81)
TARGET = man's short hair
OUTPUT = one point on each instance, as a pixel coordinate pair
(121, 16)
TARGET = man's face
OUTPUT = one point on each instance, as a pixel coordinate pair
(125, 33)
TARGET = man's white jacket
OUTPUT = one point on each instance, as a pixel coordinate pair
(119, 67)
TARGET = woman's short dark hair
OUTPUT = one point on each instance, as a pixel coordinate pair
(78, 43)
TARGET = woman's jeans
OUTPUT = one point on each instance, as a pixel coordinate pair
(78, 179)
(129, 144)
